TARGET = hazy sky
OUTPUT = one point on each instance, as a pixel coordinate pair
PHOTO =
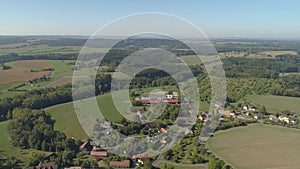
(216, 18)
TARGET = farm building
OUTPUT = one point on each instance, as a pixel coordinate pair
(50, 165)
(284, 119)
(249, 108)
(286, 113)
(173, 101)
(86, 146)
(120, 164)
(273, 118)
(202, 117)
(141, 160)
(98, 154)
(164, 130)
(152, 98)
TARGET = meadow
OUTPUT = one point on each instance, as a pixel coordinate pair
(66, 118)
(276, 104)
(257, 146)
(21, 71)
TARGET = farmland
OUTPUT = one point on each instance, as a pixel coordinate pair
(276, 104)
(257, 146)
(21, 71)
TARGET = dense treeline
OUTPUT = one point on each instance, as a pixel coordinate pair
(51, 56)
(34, 129)
(259, 67)
(12, 39)
(255, 46)
(41, 98)
(61, 42)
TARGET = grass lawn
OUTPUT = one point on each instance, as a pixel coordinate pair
(66, 118)
(258, 146)
(276, 104)
(8, 149)
(4, 90)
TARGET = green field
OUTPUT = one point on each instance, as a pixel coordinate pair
(276, 104)
(191, 59)
(6, 148)
(66, 118)
(181, 167)
(258, 146)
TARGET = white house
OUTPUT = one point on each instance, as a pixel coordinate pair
(248, 108)
(273, 118)
(283, 118)
(169, 96)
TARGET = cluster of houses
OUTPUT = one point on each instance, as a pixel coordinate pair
(285, 116)
(97, 155)
(156, 98)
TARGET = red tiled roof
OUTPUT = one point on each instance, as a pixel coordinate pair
(164, 130)
(173, 101)
(151, 124)
(84, 144)
(51, 164)
(125, 163)
(99, 153)
(144, 159)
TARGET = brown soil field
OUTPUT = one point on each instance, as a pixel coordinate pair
(14, 76)
(32, 64)
(20, 71)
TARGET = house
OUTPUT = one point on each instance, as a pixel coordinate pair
(273, 118)
(86, 146)
(144, 159)
(228, 113)
(169, 96)
(286, 113)
(219, 105)
(173, 101)
(258, 116)
(175, 94)
(293, 122)
(120, 164)
(163, 130)
(248, 108)
(232, 113)
(50, 165)
(284, 119)
(153, 98)
(151, 125)
(225, 113)
(98, 154)
(202, 117)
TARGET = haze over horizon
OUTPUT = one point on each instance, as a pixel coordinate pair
(217, 19)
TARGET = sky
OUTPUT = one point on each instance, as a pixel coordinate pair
(216, 18)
